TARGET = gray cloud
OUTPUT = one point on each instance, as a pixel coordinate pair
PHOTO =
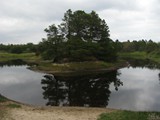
(24, 21)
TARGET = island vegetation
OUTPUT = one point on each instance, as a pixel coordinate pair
(82, 43)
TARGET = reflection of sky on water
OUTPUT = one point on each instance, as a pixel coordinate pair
(140, 90)
(21, 84)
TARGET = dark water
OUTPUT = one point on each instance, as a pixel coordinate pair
(92, 90)
(134, 88)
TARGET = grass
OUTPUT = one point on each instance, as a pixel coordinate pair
(135, 55)
(129, 115)
(24, 56)
(48, 66)
(139, 55)
(2, 99)
(153, 56)
(73, 66)
(76, 67)
(2, 108)
(14, 106)
(2, 113)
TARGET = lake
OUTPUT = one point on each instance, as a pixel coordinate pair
(135, 87)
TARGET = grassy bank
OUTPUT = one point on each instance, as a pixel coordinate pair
(11, 110)
(3, 111)
(141, 55)
(24, 56)
(50, 67)
(130, 115)
(136, 55)
(5, 106)
(91, 66)
(77, 67)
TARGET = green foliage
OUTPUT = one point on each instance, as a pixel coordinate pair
(155, 53)
(80, 37)
(142, 49)
(24, 56)
(151, 46)
(153, 57)
(128, 115)
(17, 49)
(141, 45)
(2, 99)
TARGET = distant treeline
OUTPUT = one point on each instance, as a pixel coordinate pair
(82, 48)
(18, 48)
(140, 45)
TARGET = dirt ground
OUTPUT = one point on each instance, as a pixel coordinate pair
(26, 112)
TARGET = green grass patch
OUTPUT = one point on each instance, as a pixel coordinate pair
(136, 55)
(2, 99)
(88, 65)
(75, 66)
(49, 66)
(128, 115)
(153, 56)
(23, 56)
(14, 106)
(2, 108)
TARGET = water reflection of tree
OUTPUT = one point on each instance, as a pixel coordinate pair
(91, 90)
(146, 63)
(159, 77)
(53, 90)
(15, 62)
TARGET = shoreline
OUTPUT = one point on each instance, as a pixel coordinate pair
(13, 110)
(79, 72)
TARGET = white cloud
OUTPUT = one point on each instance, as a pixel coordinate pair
(24, 21)
(135, 24)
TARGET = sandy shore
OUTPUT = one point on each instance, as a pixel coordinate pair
(26, 112)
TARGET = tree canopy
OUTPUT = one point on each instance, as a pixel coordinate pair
(80, 37)
(18, 48)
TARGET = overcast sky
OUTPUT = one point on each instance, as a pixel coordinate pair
(23, 21)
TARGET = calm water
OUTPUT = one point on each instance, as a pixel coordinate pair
(20, 84)
(133, 88)
(140, 90)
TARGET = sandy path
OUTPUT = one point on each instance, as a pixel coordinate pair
(55, 113)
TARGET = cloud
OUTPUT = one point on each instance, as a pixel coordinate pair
(24, 21)
(135, 24)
